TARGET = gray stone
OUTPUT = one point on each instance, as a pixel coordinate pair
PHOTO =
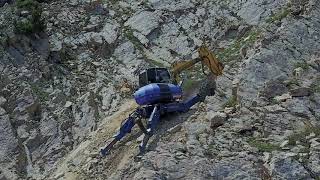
(298, 107)
(24, 13)
(283, 97)
(315, 144)
(92, 54)
(144, 21)
(7, 139)
(171, 5)
(2, 111)
(110, 32)
(3, 2)
(145, 174)
(275, 108)
(216, 119)
(233, 169)
(84, 114)
(284, 143)
(143, 39)
(287, 167)
(56, 42)
(300, 92)
(274, 88)
(188, 21)
(251, 12)
(125, 52)
(314, 163)
(22, 132)
(2, 100)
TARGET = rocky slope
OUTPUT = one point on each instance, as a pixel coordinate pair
(68, 70)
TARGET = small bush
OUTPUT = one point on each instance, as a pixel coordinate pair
(41, 94)
(232, 102)
(134, 40)
(301, 136)
(24, 26)
(188, 84)
(302, 65)
(3, 40)
(232, 52)
(27, 4)
(32, 24)
(279, 16)
(292, 83)
(262, 145)
(315, 86)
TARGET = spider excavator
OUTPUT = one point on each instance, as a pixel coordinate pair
(160, 93)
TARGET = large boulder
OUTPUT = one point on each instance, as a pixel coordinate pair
(144, 21)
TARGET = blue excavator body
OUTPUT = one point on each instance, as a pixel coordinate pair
(157, 93)
(156, 96)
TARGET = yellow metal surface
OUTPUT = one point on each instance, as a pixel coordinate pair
(205, 56)
(210, 60)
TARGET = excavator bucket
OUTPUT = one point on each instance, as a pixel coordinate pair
(209, 59)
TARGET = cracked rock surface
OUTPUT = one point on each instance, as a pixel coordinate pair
(65, 88)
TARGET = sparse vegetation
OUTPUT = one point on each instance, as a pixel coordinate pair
(25, 27)
(137, 44)
(232, 102)
(301, 136)
(191, 77)
(279, 16)
(188, 84)
(28, 4)
(262, 145)
(135, 41)
(302, 65)
(315, 86)
(231, 53)
(154, 62)
(293, 82)
(33, 23)
(41, 94)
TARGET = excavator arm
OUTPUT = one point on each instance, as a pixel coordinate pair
(206, 57)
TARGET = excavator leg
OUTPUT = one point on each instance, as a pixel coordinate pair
(127, 125)
(151, 127)
(124, 129)
(155, 118)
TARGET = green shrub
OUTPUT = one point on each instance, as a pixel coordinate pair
(27, 4)
(233, 51)
(293, 82)
(279, 16)
(188, 84)
(139, 46)
(232, 102)
(41, 94)
(3, 39)
(301, 136)
(24, 26)
(262, 145)
(32, 24)
(315, 86)
(302, 65)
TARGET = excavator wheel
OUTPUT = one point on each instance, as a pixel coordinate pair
(207, 87)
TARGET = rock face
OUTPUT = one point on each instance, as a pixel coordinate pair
(144, 22)
(61, 88)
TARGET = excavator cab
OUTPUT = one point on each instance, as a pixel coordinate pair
(154, 75)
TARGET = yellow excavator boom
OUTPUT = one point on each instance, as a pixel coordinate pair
(206, 57)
